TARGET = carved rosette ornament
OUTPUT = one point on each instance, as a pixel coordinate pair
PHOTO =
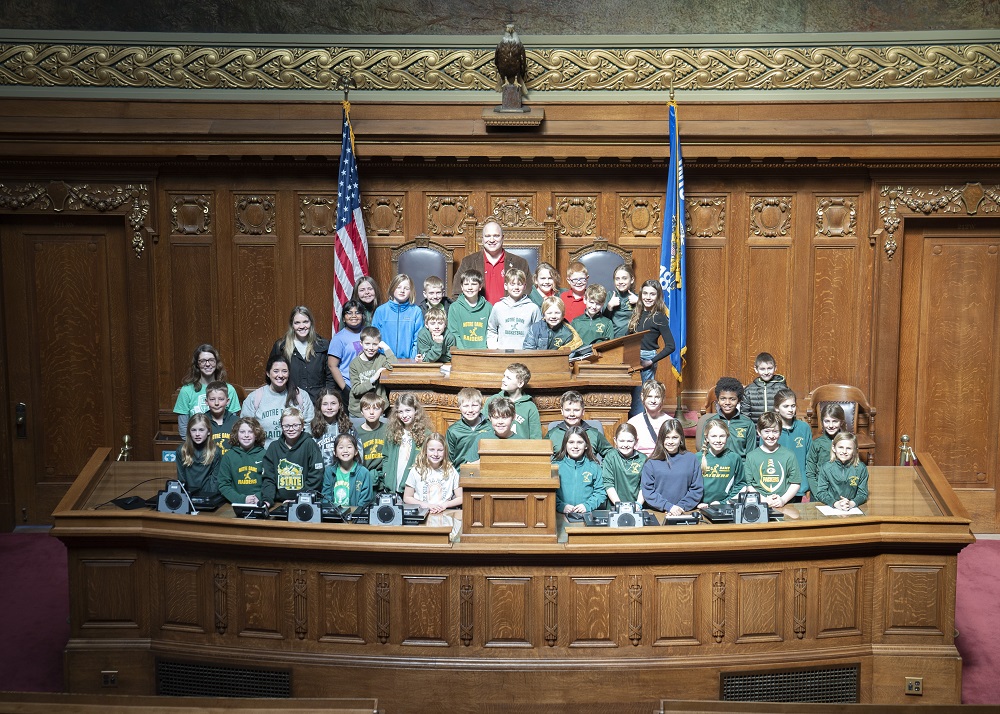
(770, 216)
(445, 214)
(190, 214)
(706, 216)
(971, 199)
(640, 216)
(129, 200)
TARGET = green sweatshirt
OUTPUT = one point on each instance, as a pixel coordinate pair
(836, 480)
(580, 481)
(221, 432)
(593, 329)
(723, 476)
(742, 432)
(598, 442)
(798, 439)
(462, 439)
(434, 351)
(622, 313)
(240, 473)
(772, 473)
(468, 323)
(362, 372)
(819, 454)
(290, 469)
(527, 421)
(199, 479)
(623, 474)
(392, 478)
(473, 453)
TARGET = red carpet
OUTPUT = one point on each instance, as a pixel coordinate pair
(35, 601)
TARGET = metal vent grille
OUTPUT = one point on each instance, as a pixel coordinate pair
(185, 679)
(835, 684)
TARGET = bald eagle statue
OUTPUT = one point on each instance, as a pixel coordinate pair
(512, 66)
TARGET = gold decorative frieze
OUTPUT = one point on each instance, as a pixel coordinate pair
(836, 216)
(577, 215)
(770, 216)
(383, 214)
(897, 201)
(255, 214)
(805, 67)
(129, 200)
(706, 216)
(190, 215)
(640, 215)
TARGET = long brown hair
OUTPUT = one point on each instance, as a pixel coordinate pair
(670, 425)
(188, 449)
(320, 422)
(194, 375)
(289, 346)
(658, 305)
(419, 428)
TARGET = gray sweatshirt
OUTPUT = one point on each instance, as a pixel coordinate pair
(509, 323)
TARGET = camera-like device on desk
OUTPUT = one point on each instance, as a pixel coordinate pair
(386, 511)
(174, 499)
(749, 508)
(306, 508)
(625, 515)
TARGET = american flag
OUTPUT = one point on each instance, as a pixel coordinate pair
(351, 248)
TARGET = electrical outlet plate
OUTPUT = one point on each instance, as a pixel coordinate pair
(109, 678)
(915, 686)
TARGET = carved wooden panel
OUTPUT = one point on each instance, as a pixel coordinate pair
(718, 607)
(915, 600)
(315, 280)
(511, 510)
(255, 213)
(959, 308)
(576, 215)
(445, 214)
(190, 214)
(760, 607)
(192, 275)
(678, 610)
(255, 286)
(221, 598)
(109, 588)
(769, 292)
(182, 601)
(770, 216)
(641, 215)
(317, 214)
(595, 602)
(836, 216)
(706, 216)
(383, 213)
(709, 331)
(426, 613)
(512, 211)
(509, 609)
(260, 607)
(342, 607)
(839, 603)
(835, 315)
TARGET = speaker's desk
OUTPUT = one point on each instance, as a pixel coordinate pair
(421, 620)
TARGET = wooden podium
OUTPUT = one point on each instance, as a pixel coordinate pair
(511, 495)
(605, 379)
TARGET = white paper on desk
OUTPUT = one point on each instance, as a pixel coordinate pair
(831, 511)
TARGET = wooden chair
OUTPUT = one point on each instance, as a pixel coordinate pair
(522, 235)
(420, 258)
(602, 260)
(860, 414)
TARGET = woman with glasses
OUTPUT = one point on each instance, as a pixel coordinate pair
(206, 366)
(292, 463)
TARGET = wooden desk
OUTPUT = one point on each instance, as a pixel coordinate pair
(422, 620)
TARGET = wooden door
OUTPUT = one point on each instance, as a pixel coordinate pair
(949, 375)
(66, 355)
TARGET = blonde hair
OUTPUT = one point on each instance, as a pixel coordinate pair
(188, 449)
(712, 423)
(289, 343)
(422, 464)
(842, 436)
(554, 301)
(419, 427)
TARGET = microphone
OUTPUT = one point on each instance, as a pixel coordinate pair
(194, 511)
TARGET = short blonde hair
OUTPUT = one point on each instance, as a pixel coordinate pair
(553, 301)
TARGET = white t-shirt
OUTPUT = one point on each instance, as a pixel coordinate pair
(436, 487)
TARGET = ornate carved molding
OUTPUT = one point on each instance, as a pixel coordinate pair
(551, 611)
(899, 201)
(799, 603)
(317, 214)
(300, 592)
(129, 200)
(382, 607)
(706, 216)
(445, 214)
(255, 214)
(512, 211)
(465, 610)
(635, 610)
(770, 216)
(719, 607)
(383, 214)
(577, 215)
(640, 216)
(799, 67)
(221, 599)
(836, 216)
(190, 214)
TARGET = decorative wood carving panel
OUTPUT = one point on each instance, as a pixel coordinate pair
(836, 216)
(181, 591)
(635, 610)
(260, 608)
(509, 607)
(221, 599)
(678, 610)
(318, 214)
(190, 214)
(595, 604)
(300, 603)
(577, 215)
(835, 307)
(799, 602)
(770, 216)
(466, 623)
(426, 610)
(761, 611)
(640, 215)
(383, 213)
(719, 607)
(255, 214)
(445, 214)
(110, 593)
(915, 600)
(512, 211)
(342, 607)
(382, 594)
(838, 592)
(551, 610)
(706, 216)
(255, 287)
